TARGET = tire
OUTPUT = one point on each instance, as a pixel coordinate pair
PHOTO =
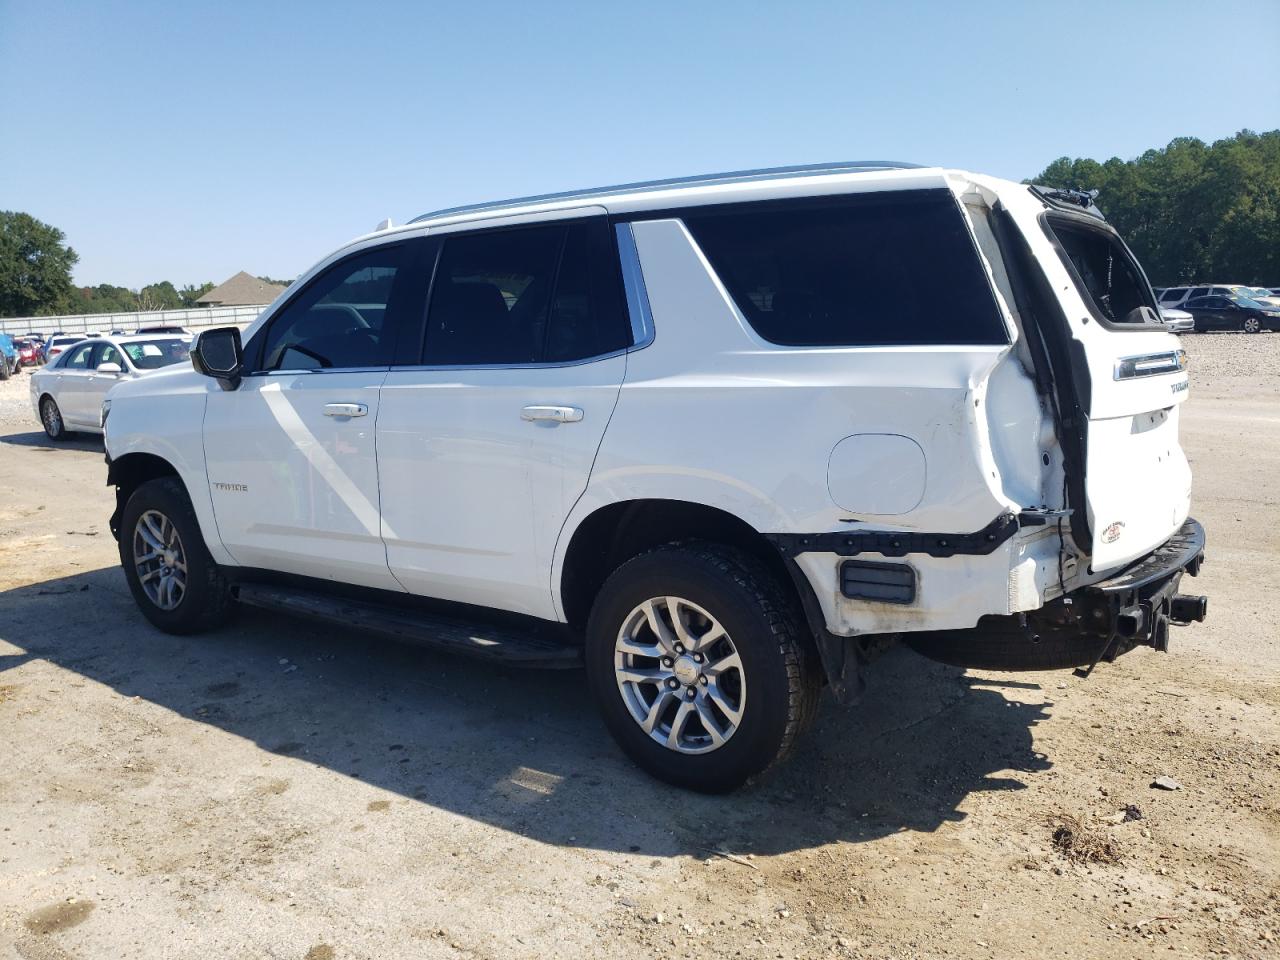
(1251, 325)
(55, 427)
(4, 367)
(203, 600)
(773, 689)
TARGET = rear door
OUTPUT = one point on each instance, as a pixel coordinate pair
(487, 437)
(1130, 381)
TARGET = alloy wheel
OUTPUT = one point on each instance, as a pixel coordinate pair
(680, 675)
(159, 560)
(52, 418)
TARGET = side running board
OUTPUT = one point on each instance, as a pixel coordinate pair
(471, 638)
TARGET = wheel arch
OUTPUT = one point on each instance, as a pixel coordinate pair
(129, 472)
(614, 533)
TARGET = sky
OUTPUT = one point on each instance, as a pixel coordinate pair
(189, 140)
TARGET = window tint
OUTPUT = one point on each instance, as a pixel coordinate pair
(78, 359)
(342, 319)
(1200, 291)
(896, 269)
(1105, 273)
(109, 354)
(531, 295)
(1172, 294)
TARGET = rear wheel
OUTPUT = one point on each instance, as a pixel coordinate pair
(1251, 325)
(174, 580)
(697, 662)
(51, 419)
(4, 367)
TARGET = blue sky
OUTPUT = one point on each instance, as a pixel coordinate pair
(189, 140)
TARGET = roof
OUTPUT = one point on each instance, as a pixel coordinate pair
(242, 290)
(674, 190)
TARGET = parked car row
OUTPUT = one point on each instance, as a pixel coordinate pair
(36, 349)
(67, 393)
(1222, 307)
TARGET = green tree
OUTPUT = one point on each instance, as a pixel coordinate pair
(35, 267)
(158, 296)
(1191, 211)
(189, 294)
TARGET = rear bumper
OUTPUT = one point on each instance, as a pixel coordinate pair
(1141, 601)
(1131, 608)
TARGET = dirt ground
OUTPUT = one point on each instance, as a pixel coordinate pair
(282, 790)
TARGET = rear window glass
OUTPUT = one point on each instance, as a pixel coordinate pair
(896, 268)
(1108, 277)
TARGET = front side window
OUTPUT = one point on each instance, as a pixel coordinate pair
(887, 269)
(78, 359)
(521, 296)
(342, 318)
(109, 354)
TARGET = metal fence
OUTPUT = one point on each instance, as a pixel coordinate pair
(105, 322)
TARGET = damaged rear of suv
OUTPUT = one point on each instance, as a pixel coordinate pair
(720, 440)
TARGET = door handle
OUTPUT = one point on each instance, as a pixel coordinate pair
(554, 414)
(345, 409)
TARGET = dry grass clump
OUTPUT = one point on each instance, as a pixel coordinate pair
(1082, 844)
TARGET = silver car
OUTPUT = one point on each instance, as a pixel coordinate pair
(1178, 321)
(67, 394)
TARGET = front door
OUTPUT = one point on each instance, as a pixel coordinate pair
(75, 388)
(291, 461)
(487, 443)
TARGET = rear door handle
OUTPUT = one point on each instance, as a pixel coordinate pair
(345, 409)
(556, 414)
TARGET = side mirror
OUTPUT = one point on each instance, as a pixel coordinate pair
(218, 353)
(111, 368)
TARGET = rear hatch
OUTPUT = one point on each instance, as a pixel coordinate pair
(1130, 379)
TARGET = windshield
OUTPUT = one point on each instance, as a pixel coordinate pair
(153, 354)
(1256, 292)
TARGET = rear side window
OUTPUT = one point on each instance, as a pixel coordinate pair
(1106, 274)
(538, 294)
(1172, 294)
(896, 268)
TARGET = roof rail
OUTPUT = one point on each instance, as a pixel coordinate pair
(701, 180)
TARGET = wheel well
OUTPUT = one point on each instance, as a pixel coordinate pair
(614, 534)
(130, 472)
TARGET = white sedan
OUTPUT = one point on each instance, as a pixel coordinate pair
(67, 394)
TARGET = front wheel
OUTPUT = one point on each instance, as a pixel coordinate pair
(697, 661)
(1251, 325)
(174, 580)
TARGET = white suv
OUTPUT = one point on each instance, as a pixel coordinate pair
(719, 438)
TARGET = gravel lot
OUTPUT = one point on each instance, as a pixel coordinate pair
(281, 790)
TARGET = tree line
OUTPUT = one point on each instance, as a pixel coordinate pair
(1191, 211)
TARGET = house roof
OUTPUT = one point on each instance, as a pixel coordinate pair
(241, 290)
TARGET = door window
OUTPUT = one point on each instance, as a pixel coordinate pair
(107, 353)
(530, 295)
(344, 318)
(1172, 294)
(78, 359)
